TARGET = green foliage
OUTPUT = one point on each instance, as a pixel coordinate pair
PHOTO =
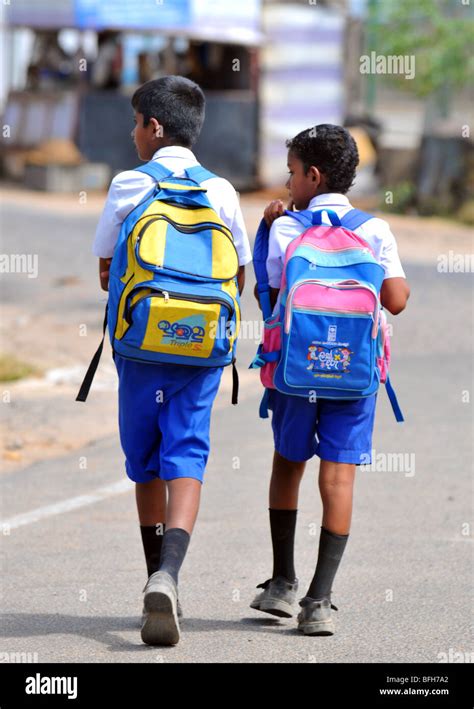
(439, 33)
(12, 369)
(402, 198)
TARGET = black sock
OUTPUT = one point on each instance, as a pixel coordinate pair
(331, 549)
(173, 551)
(282, 526)
(152, 538)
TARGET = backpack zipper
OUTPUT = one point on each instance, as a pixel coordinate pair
(158, 293)
(191, 229)
(185, 230)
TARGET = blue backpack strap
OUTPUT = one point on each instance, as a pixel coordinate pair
(199, 174)
(317, 217)
(260, 255)
(305, 217)
(393, 400)
(354, 219)
(263, 410)
(155, 170)
(261, 358)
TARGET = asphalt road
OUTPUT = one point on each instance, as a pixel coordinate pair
(72, 564)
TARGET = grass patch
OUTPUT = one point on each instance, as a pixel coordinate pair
(12, 369)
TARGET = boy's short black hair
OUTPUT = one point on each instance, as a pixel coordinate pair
(332, 150)
(177, 103)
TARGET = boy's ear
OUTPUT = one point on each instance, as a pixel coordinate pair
(157, 128)
(314, 175)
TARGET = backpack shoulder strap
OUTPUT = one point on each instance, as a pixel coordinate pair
(354, 219)
(305, 217)
(260, 255)
(155, 170)
(89, 376)
(199, 174)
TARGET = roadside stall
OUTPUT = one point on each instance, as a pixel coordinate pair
(82, 59)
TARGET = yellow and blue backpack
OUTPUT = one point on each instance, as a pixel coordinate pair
(173, 293)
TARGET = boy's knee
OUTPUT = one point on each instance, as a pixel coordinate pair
(336, 478)
(284, 466)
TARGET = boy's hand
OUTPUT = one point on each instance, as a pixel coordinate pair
(104, 269)
(241, 279)
(257, 297)
(273, 296)
(275, 209)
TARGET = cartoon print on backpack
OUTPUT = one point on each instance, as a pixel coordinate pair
(326, 358)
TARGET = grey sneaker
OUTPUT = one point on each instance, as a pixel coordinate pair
(315, 617)
(179, 612)
(160, 622)
(277, 597)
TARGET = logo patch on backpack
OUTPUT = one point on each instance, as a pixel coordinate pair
(185, 331)
(323, 361)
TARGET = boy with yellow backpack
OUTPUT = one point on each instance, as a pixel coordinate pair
(172, 247)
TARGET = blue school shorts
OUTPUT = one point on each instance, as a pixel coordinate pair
(336, 430)
(164, 418)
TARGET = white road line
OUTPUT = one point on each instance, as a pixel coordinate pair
(73, 503)
(102, 493)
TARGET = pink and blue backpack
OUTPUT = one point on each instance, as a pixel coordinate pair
(329, 338)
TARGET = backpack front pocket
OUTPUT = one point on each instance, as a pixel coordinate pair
(178, 323)
(203, 250)
(330, 335)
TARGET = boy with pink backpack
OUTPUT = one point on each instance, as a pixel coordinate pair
(324, 275)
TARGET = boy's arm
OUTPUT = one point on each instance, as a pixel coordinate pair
(241, 279)
(235, 221)
(395, 290)
(126, 190)
(394, 294)
(104, 267)
(272, 211)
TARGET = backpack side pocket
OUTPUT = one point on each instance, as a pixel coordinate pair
(383, 347)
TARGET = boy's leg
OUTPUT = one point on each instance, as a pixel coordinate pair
(140, 438)
(283, 506)
(336, 485)
(181, 514)
(184, 421)
(293, 425)
(336, 482)
(151, 507)
(344, 436)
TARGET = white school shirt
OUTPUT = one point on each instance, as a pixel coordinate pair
(375, 231)
(130, 187)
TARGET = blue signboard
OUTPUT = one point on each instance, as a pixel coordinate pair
(213, 20)
(132, 14)
(51, 14)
